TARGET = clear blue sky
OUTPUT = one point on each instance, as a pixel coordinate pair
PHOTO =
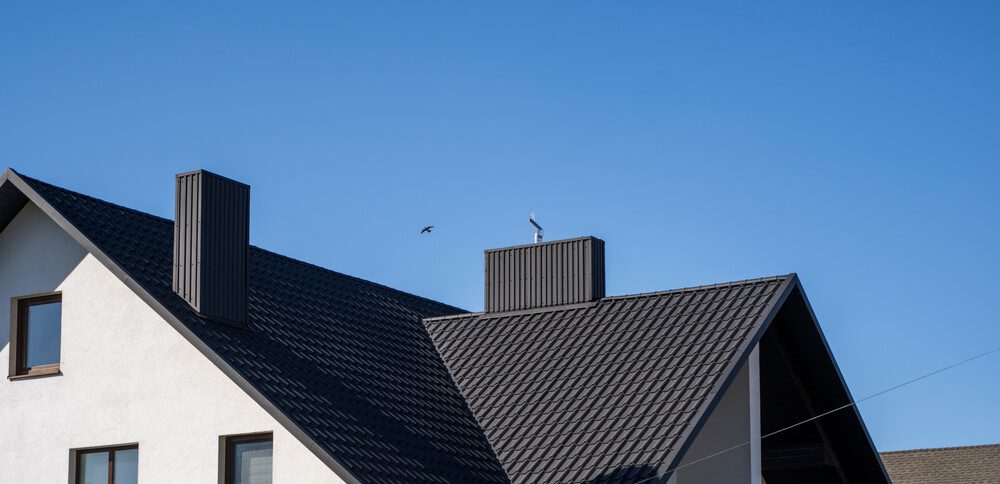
(856, 145)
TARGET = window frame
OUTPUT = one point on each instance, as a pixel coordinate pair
(227, 452)
(18, 334)
(78, 459)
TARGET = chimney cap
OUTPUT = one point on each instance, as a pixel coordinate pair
(215, 175)
(551, 242)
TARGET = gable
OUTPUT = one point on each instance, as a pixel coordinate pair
(344, 364)
(800, 380)
(612, 389)
(126, 377)
(619, 390)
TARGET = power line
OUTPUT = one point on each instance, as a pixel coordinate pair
(843, 407)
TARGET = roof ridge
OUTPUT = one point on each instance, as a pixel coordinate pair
(252, 247)
(564, 307)
(939, 449)
(700, 288)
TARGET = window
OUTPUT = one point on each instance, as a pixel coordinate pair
(36, 324)
(247, 459)
(108, 465)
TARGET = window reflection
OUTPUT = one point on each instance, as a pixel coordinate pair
(108, 466)
(94, 467)
(42, 334)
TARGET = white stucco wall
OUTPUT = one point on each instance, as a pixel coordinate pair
(735, 421)
(127, 377)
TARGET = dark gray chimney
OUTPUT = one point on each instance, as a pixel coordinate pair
(546, 274)
(211, 242)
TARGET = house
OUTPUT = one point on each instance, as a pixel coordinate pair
(958, 465)
(148, 350)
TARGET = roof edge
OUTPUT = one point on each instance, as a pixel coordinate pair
(25, 187)
(791, 284)
(548, 242)
(209, 173)
(701, 417)
(457, 309)
(586, 304)
(843, 383)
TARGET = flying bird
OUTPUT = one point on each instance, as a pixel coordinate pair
(427, 229)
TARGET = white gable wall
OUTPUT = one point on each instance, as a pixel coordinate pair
(127, 377)
(734, 422)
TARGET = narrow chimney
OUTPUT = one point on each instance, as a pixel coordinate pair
(211, 242)
(545, 274)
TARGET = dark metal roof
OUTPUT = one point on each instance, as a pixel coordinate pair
(343, 363)
(610, 391)
(614, 391)
(607, 391)
(956, 465)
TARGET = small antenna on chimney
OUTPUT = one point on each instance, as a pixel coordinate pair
(538, 228)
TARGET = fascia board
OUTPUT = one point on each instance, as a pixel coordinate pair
(166, 314)
(843, 383)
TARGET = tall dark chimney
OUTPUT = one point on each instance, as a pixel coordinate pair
(211, 242)
(547, 274)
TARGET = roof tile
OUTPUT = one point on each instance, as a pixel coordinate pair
(978, 464)
(346, 359)
(601, 392)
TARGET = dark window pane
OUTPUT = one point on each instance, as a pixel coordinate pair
(127, 466)
(42, 334)
(94, 468)
(252, 463)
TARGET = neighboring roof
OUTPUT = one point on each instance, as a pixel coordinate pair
(344, 363)
(979, 464)
(608, 391)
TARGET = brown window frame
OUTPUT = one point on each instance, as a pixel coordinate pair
(18, 331)
(94, 450)
(228, 447)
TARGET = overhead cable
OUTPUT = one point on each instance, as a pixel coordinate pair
(824, 414)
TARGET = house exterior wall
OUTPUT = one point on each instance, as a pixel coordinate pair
(126, 377)
(735, 421)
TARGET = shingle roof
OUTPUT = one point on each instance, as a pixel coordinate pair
(605, 391)
(346, 360)
(978, 464)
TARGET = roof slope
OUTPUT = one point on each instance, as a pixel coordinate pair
(602, 392)
(346, 360)
(979, 464)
